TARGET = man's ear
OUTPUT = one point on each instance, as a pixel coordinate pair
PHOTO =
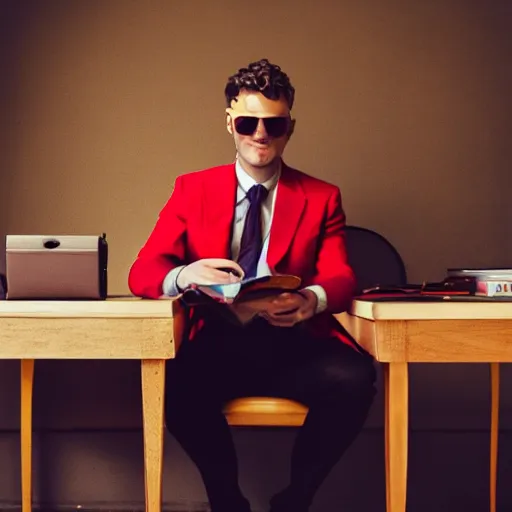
(229, 124)
(292, 128)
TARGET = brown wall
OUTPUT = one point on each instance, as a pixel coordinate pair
(404, 105)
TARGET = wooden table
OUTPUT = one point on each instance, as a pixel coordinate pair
(118, 328)
(399, 333)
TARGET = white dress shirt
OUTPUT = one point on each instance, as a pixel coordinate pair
(245, 182)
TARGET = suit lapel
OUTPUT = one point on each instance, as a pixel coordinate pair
(219, 191)
(289, 206)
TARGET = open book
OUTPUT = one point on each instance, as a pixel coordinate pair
(240, 302)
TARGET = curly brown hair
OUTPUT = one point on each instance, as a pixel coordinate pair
(260, 76)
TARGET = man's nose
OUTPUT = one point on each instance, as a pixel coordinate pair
(260, 132)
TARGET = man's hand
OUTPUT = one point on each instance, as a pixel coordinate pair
(289, 309)
(206, 271)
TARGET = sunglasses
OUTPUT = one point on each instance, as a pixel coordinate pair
(274, 126)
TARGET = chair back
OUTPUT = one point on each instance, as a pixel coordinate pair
(374, 259)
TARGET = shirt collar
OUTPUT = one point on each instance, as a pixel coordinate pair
(245, 181)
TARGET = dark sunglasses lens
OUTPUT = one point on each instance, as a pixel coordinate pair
(246, 125)
(276, 126)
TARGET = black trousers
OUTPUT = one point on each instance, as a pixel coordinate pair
(332, 379)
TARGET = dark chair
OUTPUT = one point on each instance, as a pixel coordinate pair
(374, 259)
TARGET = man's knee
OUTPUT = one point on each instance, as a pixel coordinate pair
(363, 372)
(354, 376)
(188, 398)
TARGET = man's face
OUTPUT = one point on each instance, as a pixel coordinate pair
(260, 127)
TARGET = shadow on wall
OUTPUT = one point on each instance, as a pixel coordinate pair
(80, 460)
(2, 254)
(12, 94)
(106, 395)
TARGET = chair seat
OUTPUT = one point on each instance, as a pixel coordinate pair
(265, 411)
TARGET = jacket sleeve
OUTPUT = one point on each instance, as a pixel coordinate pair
(333, 272)
(164, 249)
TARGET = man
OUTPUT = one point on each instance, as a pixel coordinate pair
(254, 217)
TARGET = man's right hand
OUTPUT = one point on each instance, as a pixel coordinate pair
(206, 271)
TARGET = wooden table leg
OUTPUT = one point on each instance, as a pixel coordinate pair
(495, 410)
(397, 426)
(153, 389)
(27, 386)
(386, 432)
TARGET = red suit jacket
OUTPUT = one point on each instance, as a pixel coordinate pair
(306, 238)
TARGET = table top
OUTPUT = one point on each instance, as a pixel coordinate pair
(113, 307)
(116, 328)
(134, 307)
(442, 310)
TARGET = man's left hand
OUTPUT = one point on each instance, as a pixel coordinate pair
(288, 309)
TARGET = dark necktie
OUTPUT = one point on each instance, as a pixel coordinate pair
(251, 244)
